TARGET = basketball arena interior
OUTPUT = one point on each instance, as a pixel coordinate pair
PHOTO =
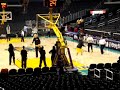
(64, 58)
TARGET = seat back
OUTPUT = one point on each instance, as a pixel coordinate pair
(4, 72)
(37, 71)
(115, 66)
(45, 69)
(29, 71)
(92, 66)
(53, 69)
(13, 72)
(108, 65)
(21, 71)
(100, 66)
(91, 70)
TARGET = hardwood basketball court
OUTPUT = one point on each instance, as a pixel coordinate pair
(79, 61)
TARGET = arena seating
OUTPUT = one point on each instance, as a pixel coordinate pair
(37, 71)
(44, 78)
(29, 71)
(76, 6)
(91, 69)
(45, 69)
(21, 71)
(51, 81)
(4, 72)
(13, 72)
(107, 65)
(108, 22)
(53, 69)
(102, 70)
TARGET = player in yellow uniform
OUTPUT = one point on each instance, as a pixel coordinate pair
(79, 46)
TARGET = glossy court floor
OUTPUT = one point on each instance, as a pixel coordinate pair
(79, 61)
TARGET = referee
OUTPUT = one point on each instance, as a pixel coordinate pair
(90, 43)
(102, 43)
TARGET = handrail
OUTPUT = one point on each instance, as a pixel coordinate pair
(14, 5)
(117, 33)
(116, 2)
(96, 31)
(95, 75)
(107, 77)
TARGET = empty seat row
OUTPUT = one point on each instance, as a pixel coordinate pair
(66, 81)
(106, 66)
(35, 71)
(105, 70)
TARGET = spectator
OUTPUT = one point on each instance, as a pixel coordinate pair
(75, 29)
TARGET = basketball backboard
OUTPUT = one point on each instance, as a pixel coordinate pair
(7, 15)
(41, 23)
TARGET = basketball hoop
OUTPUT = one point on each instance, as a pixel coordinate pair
(5, 15)
(45, 24)
(4, 5)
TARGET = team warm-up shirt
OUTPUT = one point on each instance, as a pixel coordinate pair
(36, 40)
(90, 39)
(102, 41)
